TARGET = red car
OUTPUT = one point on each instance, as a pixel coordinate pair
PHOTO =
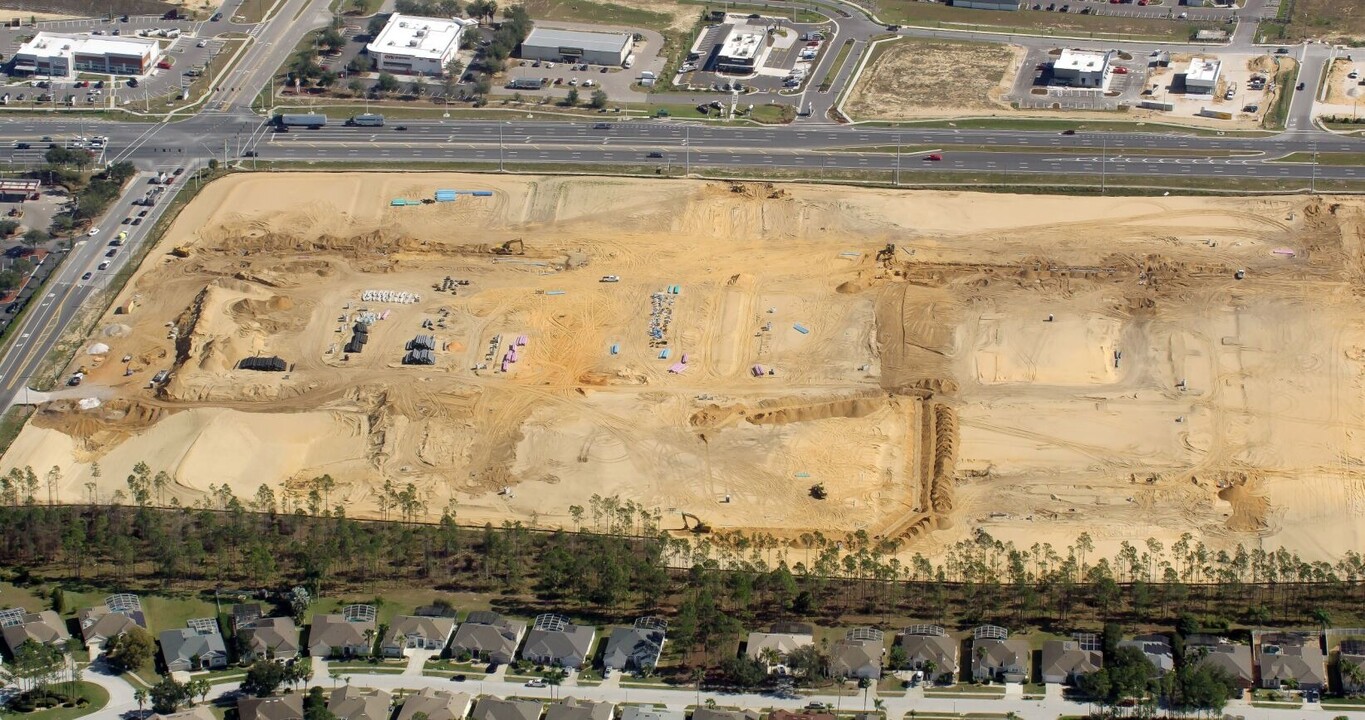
(935, 157)
(1120, 70)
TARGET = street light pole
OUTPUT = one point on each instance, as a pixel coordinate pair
(898, 160)
(500, 146)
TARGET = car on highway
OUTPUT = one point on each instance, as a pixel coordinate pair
(601, 126)
(1299, 86)
(22, 146)
(1281, 51)
(93, 232)
(142, 213)
(401, 128)
(655, 154)
(137, 221)
(87, 276)
(121, 237)
(127, 221)
(112, 252)
(935, 157)
(103, 266)
(1068, 132)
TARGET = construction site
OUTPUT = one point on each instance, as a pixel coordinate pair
(773, 358)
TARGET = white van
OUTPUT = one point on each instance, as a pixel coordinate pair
(630, 60)
(647, 75)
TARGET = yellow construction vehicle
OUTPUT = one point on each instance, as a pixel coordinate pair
(181, 251)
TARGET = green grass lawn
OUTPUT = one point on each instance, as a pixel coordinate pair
(839, 60)
(95, 696)
(1326, 158)
(957, 690)
(590, 11)
(1279, 112)
(163, 612)
(13, 596)
(1325, 18)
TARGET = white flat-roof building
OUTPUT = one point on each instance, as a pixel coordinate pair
(62, 55)
(1201, 77)
(414, 45)
(577, 46)
(741, 50)
(1083, 68)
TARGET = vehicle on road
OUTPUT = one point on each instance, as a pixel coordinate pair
(610, 278)
(142, 213)
(103, 266)
(401, 128)
(202, 43)
(21, 146)
(93, 232)
(459, 678)
(1299, 86)
(75, 379)
(127, 221)
(535, 683)
(87, 276)
(655, 154)
(366, 120)
(601, 126)
(1068, 132)
(1120, 70)
(137, 221)
(112, 252)
(935, 157)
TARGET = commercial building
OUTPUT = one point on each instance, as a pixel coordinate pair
(988, 4)
(1083, 68)
(741, 50)
(62, 55)
(596, 48)
(413, 45)
(1201, 77)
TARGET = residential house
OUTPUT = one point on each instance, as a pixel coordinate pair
(704, 713)
(278, 707)
(268, 639)
(640, 712)
(244, 614)
(575, 709)
(349, 633)
(491, 708)
(1234, 659)
(436, 705)
(931, 649)
(198, 712)
(799, 715)
(1293, 660)
(858, 655)
(352, 703)
(772, 648)
(197, 647)
(636, 648)
(489, 637)
(45, 628)
(102, 623)
(998, 657)
(1351, 654)
(416, 631)
(1157, 650)
(553, 640)
(1065, 660)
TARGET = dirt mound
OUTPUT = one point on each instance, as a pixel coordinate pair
(783, 411)
(1250, 509)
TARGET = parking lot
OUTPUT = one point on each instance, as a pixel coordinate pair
(96, 90)
(1034, 88)
(786, 65)
(1244, 83)
(619, 83)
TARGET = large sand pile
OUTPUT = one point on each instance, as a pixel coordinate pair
(1034, 366)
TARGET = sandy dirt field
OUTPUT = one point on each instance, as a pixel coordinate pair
(932, 78)
(1034, 366)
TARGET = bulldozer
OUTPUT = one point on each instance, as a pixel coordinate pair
(181, 251)
(511, 247)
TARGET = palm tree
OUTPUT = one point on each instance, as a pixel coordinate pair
(335, 675)
(140, 695)
(866, 685)
(553, 678)
(1323, 619)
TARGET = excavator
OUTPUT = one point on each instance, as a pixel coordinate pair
(699, 527)
(511, 247)
(887, 254)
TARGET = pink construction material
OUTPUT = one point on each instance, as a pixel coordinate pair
(1284, 251)
(512, 355)
(504, 366)
(521, 340)
(758, 371)
(684, 358)
(677, 368)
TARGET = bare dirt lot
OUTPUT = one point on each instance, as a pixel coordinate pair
(932, 78)
(1035, 366)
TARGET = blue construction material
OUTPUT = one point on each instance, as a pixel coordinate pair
(801, 329)
(400, 202)
(554, 292)
(482, 193)
(803, 474)
(615, 348)
(445, 195)
(663, 354)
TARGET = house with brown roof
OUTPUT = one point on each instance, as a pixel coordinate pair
(704, 713)
(436, 705)
(648, 712)
(1234, 659)
(998, 657)
(346, 634)
(488, 637)
(274, 638)
(930, 648)
(102, 623)
(1065, 660)
(352, 703)
(491, 708)
(1351, 653)
(1292, 659)
(858, 655)
(554, 640)
(277, 707)
(575, 709)
(772, 648)
(416, 632)
(45, 628)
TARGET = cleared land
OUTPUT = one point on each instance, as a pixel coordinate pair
(1034, 366)
(1340, 20)
(913, 12)
(934, 78)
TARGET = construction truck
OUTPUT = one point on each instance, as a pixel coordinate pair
(181, 251)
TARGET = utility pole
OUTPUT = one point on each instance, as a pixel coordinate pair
(898, 160)
(1313, 171)
(1104, 161)
(687, 150)
(500, 146)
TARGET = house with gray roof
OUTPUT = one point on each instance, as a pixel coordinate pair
(45, 628)
(416, 631)
(198, 712)
(436, 705)
(348, 633)
(276, 707)
(102, 623)
(772, 648)
(197, 647)
(998, 657)
(636, 648)
(1157, 650)
(1292, 659)
(931, 649)
(353, 703)
(275, 638)
(491, 708)
(1234, 659)
(1065, 660)
(575, 709)
(488, 637)
(645, 712)
(858, 655)
(553, 640)
(704, 713)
